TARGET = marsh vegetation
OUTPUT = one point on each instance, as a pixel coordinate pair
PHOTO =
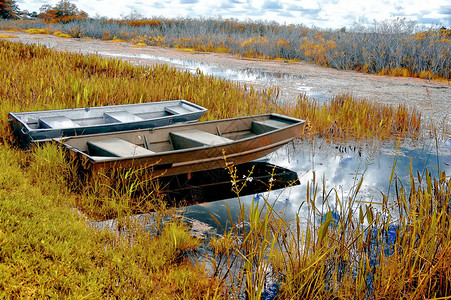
(396, 48)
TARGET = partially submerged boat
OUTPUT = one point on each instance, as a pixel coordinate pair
(179, 149)
(212, 185)
(40, 126)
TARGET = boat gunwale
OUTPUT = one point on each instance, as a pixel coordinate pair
(108, 159)
(18, 116)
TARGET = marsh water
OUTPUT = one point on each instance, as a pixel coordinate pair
(259, 77)
(336, 168)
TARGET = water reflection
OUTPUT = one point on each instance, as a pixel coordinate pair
(339, 168)
(223, 183)
(251, 75)
(335, 167)
(321, 96)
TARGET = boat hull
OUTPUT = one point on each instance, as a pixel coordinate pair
(239, 143)
(212, 185)
(42, 126)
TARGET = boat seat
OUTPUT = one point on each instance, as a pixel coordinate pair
(116, 147)
(176, 110)
(120, 116)
(263, 126)
(56, 122)
(196, 138)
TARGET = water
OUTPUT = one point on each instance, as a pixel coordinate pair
(338, 167)
(244, 75)
(256, 76)
(341, 167)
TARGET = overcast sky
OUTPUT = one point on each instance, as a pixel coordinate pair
(319, 13)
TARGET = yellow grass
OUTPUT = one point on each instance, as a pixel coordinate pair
(63, 35)
(4, 36)
(117, 40)
(186, 49)
(37, 31)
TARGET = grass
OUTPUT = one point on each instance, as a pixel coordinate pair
(60, 34)
(49, 249)
(344, 249)
(8, 36)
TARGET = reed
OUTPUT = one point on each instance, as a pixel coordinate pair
(115, 193)
(345, 118)
(344, 248)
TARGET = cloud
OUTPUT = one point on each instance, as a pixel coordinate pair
(158, 5)
(272, 5)
(446, 10)
(227, 5)
(319, 13)
(306, 11)
(286, 14)
(189, 1)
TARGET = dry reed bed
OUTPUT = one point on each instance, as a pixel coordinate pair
(395, 48)
(48, 251)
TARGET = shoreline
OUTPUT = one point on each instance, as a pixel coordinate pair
(431, 98)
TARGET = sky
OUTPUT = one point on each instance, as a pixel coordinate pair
(324, 14)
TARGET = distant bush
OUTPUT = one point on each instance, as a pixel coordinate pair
(63, 12)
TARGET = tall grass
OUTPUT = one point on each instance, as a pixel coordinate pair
(48, 249)
(343, 248)
(396, 48)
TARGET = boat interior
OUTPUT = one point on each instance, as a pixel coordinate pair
(97, 116)
(181, 138)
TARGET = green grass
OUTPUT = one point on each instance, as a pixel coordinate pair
(49, 250)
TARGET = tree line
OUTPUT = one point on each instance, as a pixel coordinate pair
(63, 11)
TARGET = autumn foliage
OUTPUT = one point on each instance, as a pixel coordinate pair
(63, 11)
(8, 9)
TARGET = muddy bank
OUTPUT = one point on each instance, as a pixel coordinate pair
(432, 99)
